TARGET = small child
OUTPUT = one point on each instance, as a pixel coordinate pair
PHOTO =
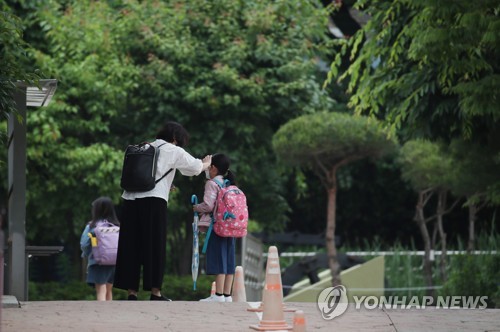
(100, 276)
(220, 250)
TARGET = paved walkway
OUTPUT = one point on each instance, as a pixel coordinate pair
(76, 316)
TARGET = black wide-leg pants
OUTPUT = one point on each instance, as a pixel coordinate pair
(142, 244)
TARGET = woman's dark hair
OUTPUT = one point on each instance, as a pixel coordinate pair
(173, 131)
(103, 208)
(222, 162)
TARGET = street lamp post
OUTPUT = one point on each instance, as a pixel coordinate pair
(25, 96)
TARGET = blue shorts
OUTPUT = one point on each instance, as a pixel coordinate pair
(221, 255)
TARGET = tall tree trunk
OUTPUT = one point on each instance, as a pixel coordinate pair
(440, 211)
(434, 235)
(330, 235)
(472, 222)
(421, 222)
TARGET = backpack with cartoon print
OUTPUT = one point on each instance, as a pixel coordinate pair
(231, 211)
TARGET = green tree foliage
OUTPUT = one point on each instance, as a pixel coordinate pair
(430, 172)
(428, 67)
(13, 55)
(475, 275)
(478, 169)
(72, 154)
(324, 142)
(425, 165)
(329, 138)
(230, 71)
(478, 179)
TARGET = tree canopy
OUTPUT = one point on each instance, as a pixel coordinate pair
(428, 67)
(430, 70)
(325, 142)
(426, 165)
(14, 51)
(325, 139)
(478, 171)
(231, 72)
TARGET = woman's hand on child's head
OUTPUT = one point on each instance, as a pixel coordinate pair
(207, 161)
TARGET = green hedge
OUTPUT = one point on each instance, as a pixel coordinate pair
(475, 275)
(174, 287)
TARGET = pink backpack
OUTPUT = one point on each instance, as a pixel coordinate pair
(231, 211)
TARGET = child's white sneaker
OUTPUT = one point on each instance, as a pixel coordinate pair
(228, 298)
(214, 298)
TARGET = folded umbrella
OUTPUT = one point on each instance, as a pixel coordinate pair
(195, 261)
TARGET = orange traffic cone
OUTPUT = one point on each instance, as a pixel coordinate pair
(299, 321)
(273, 317)
(260, 308)
(212, 291)
(239, 293)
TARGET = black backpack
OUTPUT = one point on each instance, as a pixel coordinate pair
(139, 167)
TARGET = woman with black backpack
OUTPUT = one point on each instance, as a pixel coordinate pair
(143, 234)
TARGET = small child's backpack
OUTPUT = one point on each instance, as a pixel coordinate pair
(105, 242)
(231, 211)
(139, 167)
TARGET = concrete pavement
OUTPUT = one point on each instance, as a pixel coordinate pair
(79, 316)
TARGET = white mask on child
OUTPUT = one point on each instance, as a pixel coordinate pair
(207, 174)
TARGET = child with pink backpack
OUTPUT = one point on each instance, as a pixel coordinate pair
(225, 211)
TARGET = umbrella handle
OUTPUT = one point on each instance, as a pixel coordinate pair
(194, 200)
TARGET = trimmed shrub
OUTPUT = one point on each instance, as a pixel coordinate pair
(178, 288)
(475, 275)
